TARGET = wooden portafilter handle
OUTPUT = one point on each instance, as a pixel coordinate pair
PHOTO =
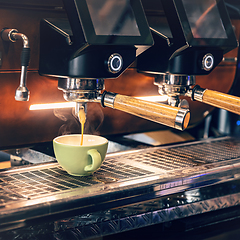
(161, 113)
(216, 99)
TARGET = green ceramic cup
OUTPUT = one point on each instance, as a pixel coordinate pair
(80, 160)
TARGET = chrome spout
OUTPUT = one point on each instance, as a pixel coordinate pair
(12, 35)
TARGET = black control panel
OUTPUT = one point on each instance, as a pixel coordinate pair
(190, 39)
(100, 39)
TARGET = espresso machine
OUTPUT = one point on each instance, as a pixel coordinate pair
(177, 190)
(191, 41)
(100, 41)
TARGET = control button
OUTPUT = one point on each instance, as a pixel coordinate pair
(207, 62)
(115, 63)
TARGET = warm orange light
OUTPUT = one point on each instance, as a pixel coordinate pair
(52, 105)
(157, 98)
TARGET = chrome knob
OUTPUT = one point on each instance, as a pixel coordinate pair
(115, 63)
(207, 62)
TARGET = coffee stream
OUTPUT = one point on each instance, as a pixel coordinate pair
(82, 119)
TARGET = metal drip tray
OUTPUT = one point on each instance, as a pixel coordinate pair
(124, 178)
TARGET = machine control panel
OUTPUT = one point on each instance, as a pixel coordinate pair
(95, 38)
(189, 39)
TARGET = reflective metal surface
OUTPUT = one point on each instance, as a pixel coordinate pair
(132, 189)
(80, 90)
(174, 86)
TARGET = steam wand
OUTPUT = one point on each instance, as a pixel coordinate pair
(12, 35)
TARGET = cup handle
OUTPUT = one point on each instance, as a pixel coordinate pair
(96, 160)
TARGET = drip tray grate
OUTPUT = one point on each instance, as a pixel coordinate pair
(47, 179)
